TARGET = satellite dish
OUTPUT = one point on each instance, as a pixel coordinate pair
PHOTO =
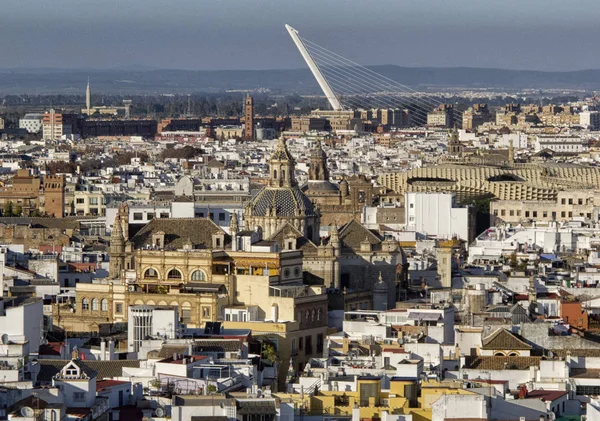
(159, 412)
(5, 339)
(27, 412)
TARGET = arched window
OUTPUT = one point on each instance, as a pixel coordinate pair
(307, 316)
(283, 174)
(513, 354)
(313, 315)
(319, 315)
(94, 304)
(53, 415)
(174, 274)
(275, 174)
(199, 275)
(499, 354)
(150, 273)
(85, 304)
(104, 304)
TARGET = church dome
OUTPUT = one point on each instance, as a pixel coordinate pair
(287, 202)
(321, 186)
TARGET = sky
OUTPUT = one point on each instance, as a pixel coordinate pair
(250, 34)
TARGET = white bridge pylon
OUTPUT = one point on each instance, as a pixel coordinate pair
(333, 100)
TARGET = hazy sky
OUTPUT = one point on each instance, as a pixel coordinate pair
(250, 34)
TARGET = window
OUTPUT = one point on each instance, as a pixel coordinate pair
(174, 274)
(138, 216)
(544, 214)
(294, 350)
(580, 201)
(186, 315)
(93, 200)
(80, 201)
(563, 201)
(78, 396)
(85, 304)
(199, 275)
(104, 304)
(320, 343)
(164, 215)
(512, 212)
(119, 308)
(526, 214)
(319, 315)
(206, 312)
(535, 214)
(301, 343)
(314, 315)
(563, 214)
(308, 345)
(150, 216)
(307, 316)
(503, 212)
(94, 304)
(221, 216)
(150, 273)
(570, 201)
(518, 213)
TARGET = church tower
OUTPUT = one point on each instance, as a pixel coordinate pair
(117, 249)
(454, 146)
(318, 165)
(249, 118)
(282, 167)
(54, 195)
(88, 98)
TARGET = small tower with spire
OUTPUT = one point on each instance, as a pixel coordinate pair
(117, 249)
(454, 146)
(88, 98)
(233, 231)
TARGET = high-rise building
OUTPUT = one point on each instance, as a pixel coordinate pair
(249, 118)
(55, 125)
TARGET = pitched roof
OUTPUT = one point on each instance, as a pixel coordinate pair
(501, 363)
(212, 345)
(354, 233)
(287, 231)
(503, 339)
(178, 231)
(168, 350)
(105, 369)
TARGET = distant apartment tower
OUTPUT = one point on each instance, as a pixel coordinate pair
(441, 117)
(590, 120)
(56, 125)
(249, 118)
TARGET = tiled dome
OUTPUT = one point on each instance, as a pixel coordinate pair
(286, 200)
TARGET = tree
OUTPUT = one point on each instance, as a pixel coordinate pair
(8, 209)
(18, 211)
(268, 352)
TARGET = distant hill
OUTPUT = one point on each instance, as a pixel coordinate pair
(131, 80)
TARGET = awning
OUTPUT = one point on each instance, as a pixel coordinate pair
(419, 315)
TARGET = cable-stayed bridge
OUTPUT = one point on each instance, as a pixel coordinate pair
(348, 85)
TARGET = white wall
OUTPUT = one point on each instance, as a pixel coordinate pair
(435, 214)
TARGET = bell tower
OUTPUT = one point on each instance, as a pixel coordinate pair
(318, 170)
(282, 166)
(249, 118)
(54, 195)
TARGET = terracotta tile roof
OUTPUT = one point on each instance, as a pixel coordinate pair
(546, 395)
(168, 350)
(104, 369)
(503, 339)
(105, 384)
(501, 363)
(178, 231)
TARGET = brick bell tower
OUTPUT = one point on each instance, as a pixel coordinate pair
(54, 195)
(249, 118)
